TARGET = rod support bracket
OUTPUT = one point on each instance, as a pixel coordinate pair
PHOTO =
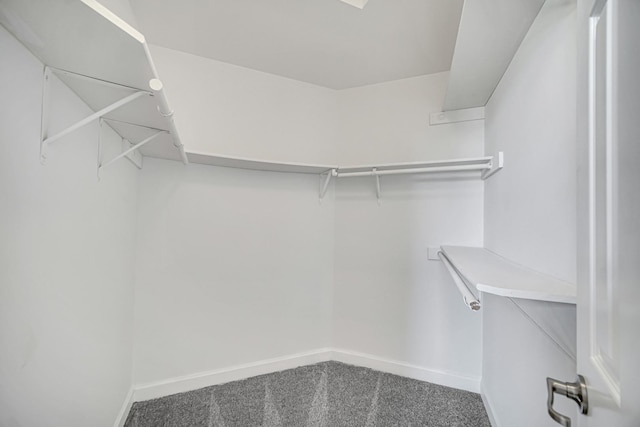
(497, 163)
(374, 172)
(324, 185)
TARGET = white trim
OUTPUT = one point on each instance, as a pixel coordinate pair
(115, 19)
(233, 373)
(456, 116)
(487, 406)
(124, 411)
(435, 376)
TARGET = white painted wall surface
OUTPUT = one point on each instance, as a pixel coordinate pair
(66, 260)
(389, 123)
(234, 267)
(389, 300)
(530, 206)
(517, 358)
(234, 111)
(237, 266)
(530, 209)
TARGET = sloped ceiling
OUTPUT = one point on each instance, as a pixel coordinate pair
(490, 33)
(324, 42)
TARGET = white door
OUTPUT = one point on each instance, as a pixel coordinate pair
(609, 211)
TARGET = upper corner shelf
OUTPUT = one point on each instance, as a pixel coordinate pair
(255, 164)
(104, 60)
(496, 275)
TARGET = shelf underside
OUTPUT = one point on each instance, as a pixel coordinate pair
(494, 274)
(79, 36)
(254, 164)
(82, 37)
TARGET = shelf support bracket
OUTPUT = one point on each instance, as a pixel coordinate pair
(496, 166)
(374, 172)
(100, 130)
(131, 149)
(92, 117)
(325, 184)
(44, 113)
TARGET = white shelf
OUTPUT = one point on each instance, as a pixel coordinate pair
(82, 38)
(496, 275)
(254, 164)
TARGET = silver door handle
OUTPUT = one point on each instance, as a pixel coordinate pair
(577, 391)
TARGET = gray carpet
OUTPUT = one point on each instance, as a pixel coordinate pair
(329, 394)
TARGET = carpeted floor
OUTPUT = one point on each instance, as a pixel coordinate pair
(329, 394)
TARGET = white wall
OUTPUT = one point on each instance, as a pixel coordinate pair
(530, 209)
(389, 123)
(238, 267)
(389, 301)
(530, 206)
(66, 260)
(234, 266)
(230, 110)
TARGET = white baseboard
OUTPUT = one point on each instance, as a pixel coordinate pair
(487, 405)
(219, 376)
(225, 375)
(445, 378)
(124, 411)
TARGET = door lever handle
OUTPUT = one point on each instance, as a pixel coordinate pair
(576, 391)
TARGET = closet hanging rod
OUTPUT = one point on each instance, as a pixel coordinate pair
(163, 108)
(375, 172)
(468, 297)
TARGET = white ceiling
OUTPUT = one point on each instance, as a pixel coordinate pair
(324, 42)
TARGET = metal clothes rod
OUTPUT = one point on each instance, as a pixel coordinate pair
(375, 172)
(469, 299)
(163, 107)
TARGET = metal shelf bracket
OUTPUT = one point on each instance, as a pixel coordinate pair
(45, 139)
(324, 185)
(378, 193)
(129, 149)
(497, 163)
